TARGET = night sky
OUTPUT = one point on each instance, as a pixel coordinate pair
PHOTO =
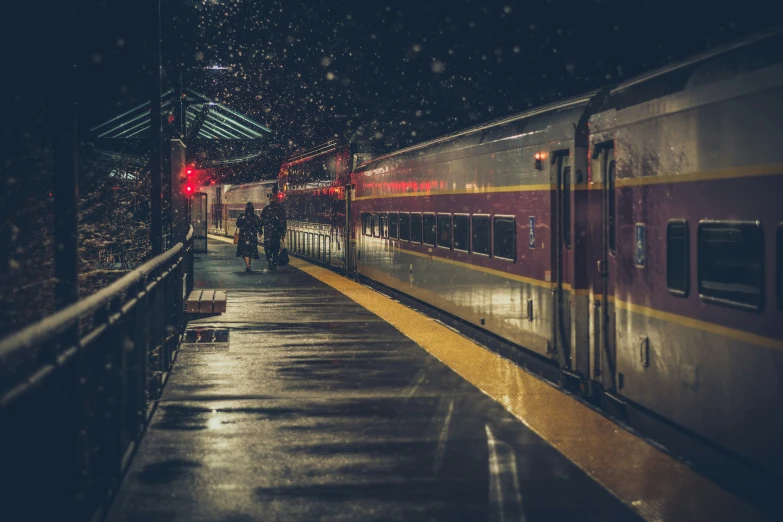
(409, 70)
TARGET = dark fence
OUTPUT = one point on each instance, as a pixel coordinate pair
(77, 389)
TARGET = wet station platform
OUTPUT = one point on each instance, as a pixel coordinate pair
(330, 401)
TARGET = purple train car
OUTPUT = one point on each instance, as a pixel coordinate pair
(683, 266)
(313, 183)
(631, 236)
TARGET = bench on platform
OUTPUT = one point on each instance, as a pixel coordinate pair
(206, 302)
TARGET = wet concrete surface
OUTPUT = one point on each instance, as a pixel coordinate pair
(318, 410)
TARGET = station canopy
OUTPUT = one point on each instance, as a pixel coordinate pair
(204, 119)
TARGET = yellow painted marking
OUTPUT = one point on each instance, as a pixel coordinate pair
(655, 485)
(706, 175)
(221, 238)
(487, 190)
(576, 291)
(499, 273)
(716, 329)
(588, 186)
(749, 171)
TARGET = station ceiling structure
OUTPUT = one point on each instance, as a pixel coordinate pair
(198, 117)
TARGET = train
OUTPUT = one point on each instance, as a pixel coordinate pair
(225, 203)
(631, 237)
(313, 183)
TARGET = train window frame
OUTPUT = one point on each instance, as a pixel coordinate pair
(396, 220)
(453, 220)
(494, 232)
(611, 174)
(472, 234)
(701, 260)
(420, 227)
(433, 230)
(383, 225)
(437, 230)
(567, 207)
(407, 237)
(779, 265)
(376, 223)
(684, 289)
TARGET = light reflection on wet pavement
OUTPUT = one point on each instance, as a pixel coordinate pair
(318, 410)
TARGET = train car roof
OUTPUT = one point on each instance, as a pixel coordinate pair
(539, 118)
(316, 150)
(253, 184)
(353, 143)
(755, 52)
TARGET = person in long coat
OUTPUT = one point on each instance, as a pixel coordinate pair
(274, 221)
(249, 227)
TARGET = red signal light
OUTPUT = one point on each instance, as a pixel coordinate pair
(189, 172)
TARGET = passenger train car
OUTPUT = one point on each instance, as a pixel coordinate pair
(225, 203)
(684, 251)
(631, 236)
(215, 219)
(313, 182)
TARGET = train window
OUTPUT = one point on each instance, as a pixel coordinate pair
(611, 212)
(480, 235)
(730, 261)
(567, 207)
(365, 220)
(779, 262)
(444, 230)
(505, 236)
(429, 229)
(405, 227)
(677, 258)
(384, 229)
(394, 220)
(376, 225)
(416, 228)
(461, 232)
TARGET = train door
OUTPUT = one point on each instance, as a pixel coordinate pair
(224, 209)
(218, 208)
(199, 220)
(350, 231)
(606, 353)
(561, 317)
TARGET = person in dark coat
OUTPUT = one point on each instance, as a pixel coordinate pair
(249, 226)
(274, 222)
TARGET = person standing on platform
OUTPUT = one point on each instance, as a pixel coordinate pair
(249, 227)
(274, 222)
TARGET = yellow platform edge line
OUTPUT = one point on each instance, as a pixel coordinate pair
(655, 485)
(221, 238)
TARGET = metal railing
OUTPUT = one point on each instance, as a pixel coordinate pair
(77, 389)
(311, 243)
